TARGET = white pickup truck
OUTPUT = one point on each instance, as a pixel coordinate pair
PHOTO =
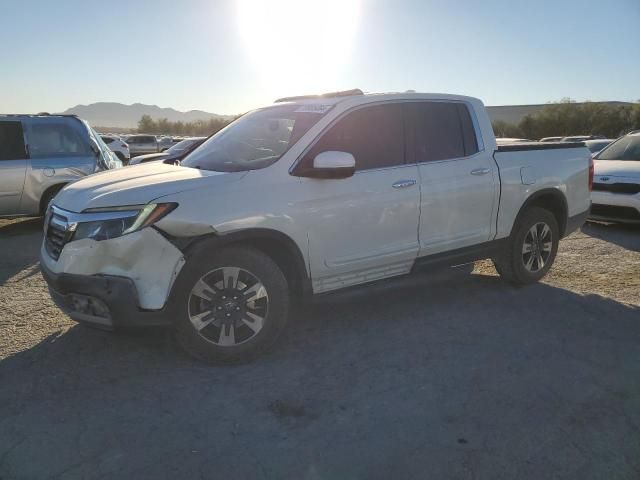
(307, 196)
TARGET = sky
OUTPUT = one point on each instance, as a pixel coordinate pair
(228, 56)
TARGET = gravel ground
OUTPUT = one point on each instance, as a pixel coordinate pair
(456, 376)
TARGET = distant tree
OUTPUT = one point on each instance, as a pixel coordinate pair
(590, 118)
(146, 124)
(163, 126)
(505, 129)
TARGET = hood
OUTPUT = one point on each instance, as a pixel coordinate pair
(617, 168)
(136, 185)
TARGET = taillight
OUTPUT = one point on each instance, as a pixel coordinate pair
(591, 171)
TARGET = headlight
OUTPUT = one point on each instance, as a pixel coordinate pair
(112, 222)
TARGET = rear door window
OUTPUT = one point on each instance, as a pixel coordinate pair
(50, 139)
(468, 132)
(442, 131)
(373, 135)
(12, 141)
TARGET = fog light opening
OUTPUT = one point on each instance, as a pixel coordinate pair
(90, 306)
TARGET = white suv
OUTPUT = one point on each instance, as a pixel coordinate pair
(117, 146)
(307, 196)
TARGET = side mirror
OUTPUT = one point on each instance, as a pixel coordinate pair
(331, 164)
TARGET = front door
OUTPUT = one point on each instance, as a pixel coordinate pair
(364, 227)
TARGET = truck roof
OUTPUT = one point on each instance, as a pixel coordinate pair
(38, 115)
(356, 94)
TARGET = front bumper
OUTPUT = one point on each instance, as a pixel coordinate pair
(617, 207)
(124, 281)
(105, 301)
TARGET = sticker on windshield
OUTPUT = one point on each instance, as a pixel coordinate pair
(313, 108)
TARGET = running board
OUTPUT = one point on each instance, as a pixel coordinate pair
(460, 256)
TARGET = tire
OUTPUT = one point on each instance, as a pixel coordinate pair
(225, 322)
(526, 259)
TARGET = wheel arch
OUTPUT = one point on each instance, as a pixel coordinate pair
(550, 199)
(278, 246)
(50, 192)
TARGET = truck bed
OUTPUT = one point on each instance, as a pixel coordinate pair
(520, 147)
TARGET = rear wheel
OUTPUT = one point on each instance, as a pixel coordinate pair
(531, 248)
(230, 307)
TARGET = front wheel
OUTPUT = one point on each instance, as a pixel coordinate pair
(231, 306)
(531, 248)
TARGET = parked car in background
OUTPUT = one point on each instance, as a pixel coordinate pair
(551, 139)
(164, 143)
(308, 196)
(40, 154)
(176, 152)
(581, 138)
(502, 141)
(141, 144)
(616, 184)
(117, 146)
(595, 146)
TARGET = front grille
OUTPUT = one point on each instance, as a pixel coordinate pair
(624, 188)
(57, 235)
(613, 212)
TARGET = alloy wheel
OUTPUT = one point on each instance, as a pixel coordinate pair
(537, 246)
(228, 306)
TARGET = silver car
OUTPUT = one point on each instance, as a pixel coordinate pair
(142, 144)
(40, 154)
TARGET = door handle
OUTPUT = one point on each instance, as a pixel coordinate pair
(404, 183)
(480, 171)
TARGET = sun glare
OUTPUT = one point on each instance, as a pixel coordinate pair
(298, 46)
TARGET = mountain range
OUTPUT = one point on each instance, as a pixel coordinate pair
(118, 115)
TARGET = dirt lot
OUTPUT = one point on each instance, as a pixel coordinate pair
(456, 377)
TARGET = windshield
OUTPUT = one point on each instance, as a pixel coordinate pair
(257, 139)
(625, 148)
(108, 159)
(182, 146)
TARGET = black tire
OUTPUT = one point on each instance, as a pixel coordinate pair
(203, 344)
(512, 264)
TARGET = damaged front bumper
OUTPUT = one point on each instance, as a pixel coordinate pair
(124, 281)
(105, 301)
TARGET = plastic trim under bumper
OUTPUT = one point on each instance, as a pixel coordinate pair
(118, 294)
(576, 221)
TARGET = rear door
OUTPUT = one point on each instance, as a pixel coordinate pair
(13, 166)
(459, 182)
(364, 227)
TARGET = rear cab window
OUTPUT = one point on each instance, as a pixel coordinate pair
(442, 131)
